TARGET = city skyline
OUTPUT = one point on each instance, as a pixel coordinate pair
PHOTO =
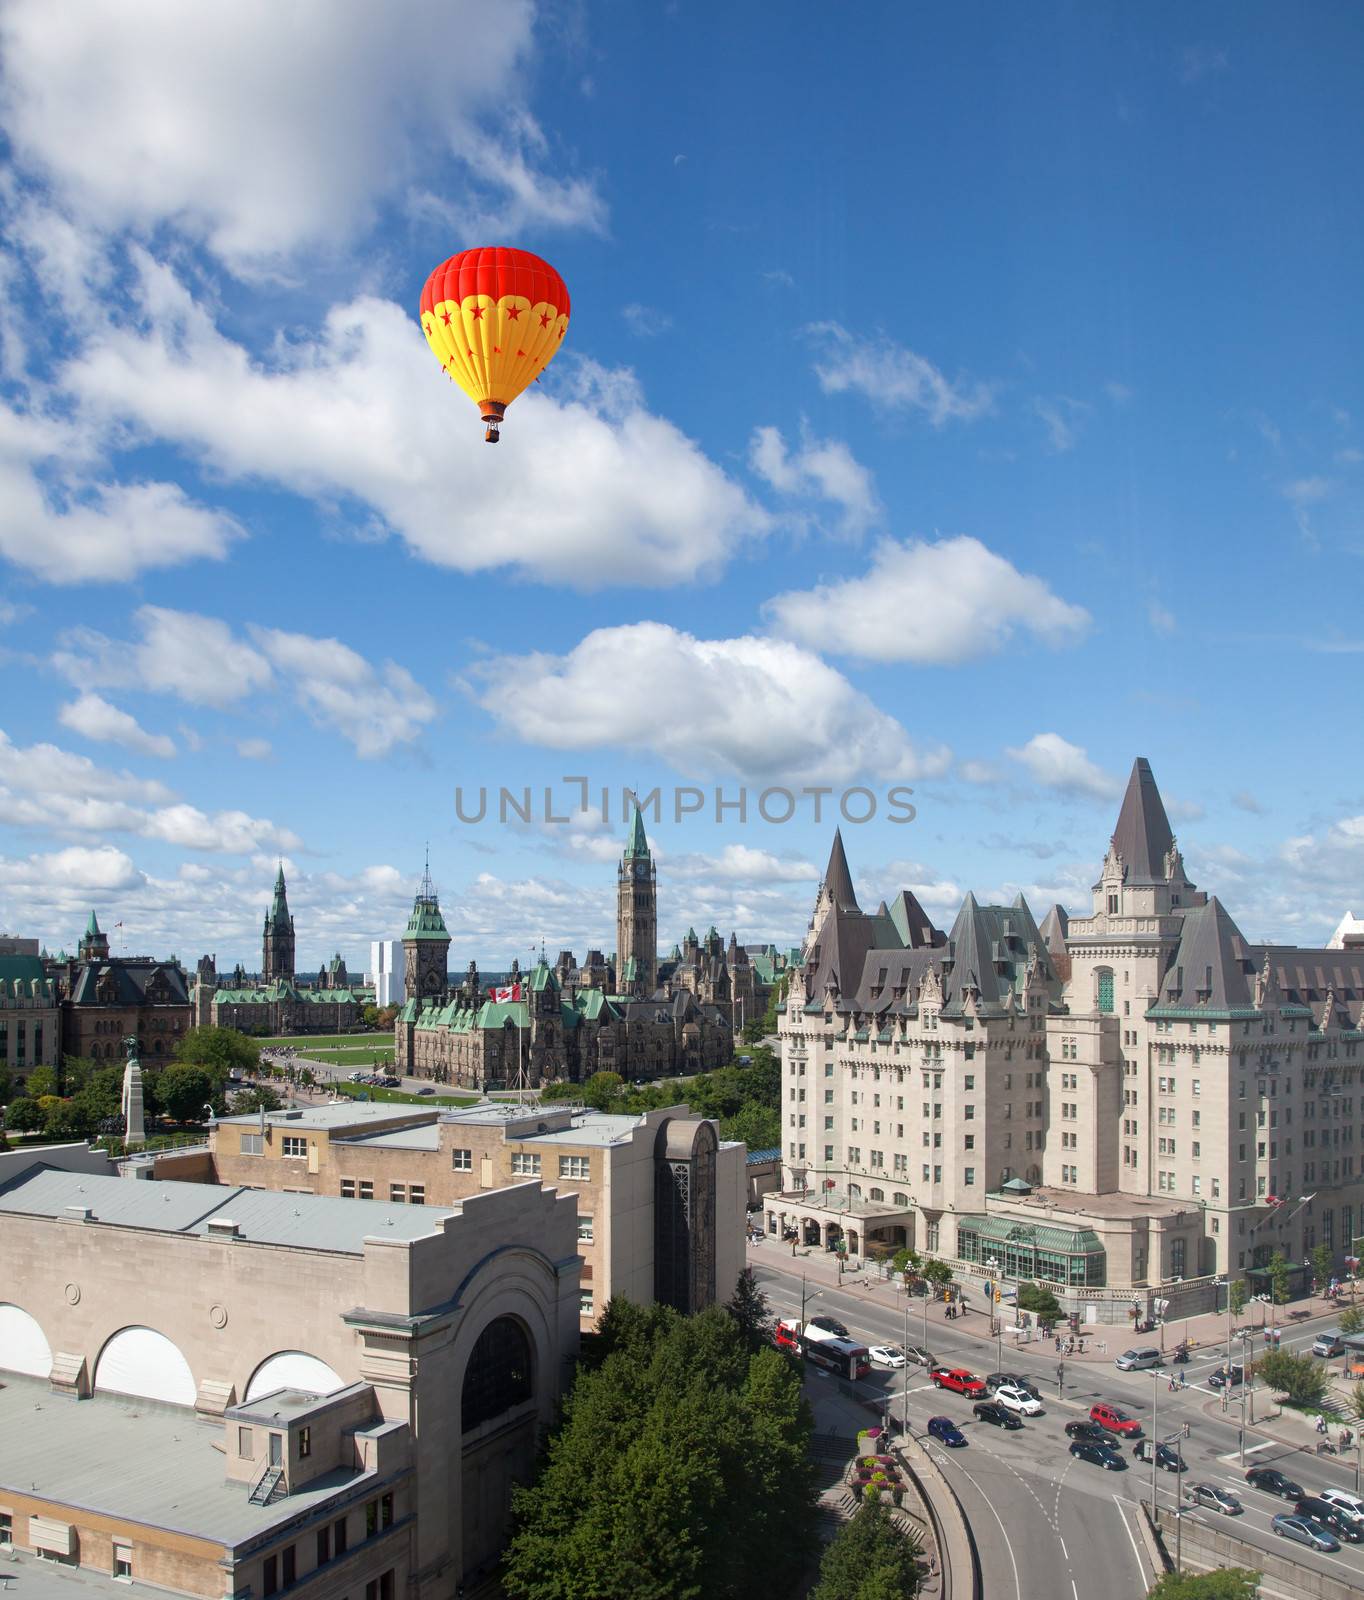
(982, 481)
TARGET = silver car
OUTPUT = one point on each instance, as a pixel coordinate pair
(1137, 1360)
(1215, 1499)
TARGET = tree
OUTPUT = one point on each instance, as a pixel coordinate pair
(43, 1081)
(758, 1126)
(869, 1557)
(602, 1090)
(1236, 1296)
(249, 1100)
(219, 1051)
(1033, 1297)
(680, 1470)
(1225, 1583)
(184, 1091)
(1323, 1264)
(1278, 1278)
(370, 1016)
(938, 1273)
(5, 1083)
(101, 1095)
(24, 1115)
(1352, 1320)
(1302, 1381)
(750, 1310)
(66, 1119)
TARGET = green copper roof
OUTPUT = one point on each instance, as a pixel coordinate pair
(92, 927)
(426, 921)
(542, 977)
(637, 844)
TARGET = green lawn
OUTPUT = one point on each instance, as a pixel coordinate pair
(355, 1090)
(347, 1056)
(336, 1041)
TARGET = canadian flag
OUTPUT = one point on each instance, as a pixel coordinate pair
(511, 991)
(830, 1184)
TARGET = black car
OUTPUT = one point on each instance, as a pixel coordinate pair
(830, 1325)
(1088, 1430)
(1167, 1460)
(1102, 1455)
(1272, 1481)
(988, 1411)
(1222, 1379)
(1325, 1515)
(999, 1380)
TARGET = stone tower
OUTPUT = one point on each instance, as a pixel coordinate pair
(94, 945)
(636, 916)
(426, 945)
(277, 944)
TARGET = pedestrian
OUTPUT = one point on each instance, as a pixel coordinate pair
(1058, 1344)
(1321, 1424)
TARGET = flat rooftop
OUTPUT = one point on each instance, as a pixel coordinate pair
(138, 1461)
(265, 1216)
(334, 1114)
(583, 1126)
(1068, 1203)
(425, 1136)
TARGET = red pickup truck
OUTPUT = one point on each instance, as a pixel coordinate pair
(958, 1379)
(1114, 1420)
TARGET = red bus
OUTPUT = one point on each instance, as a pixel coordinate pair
(843, 1356)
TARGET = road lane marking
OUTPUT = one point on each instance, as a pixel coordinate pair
(1131, 1539)
(1235, 1455)
(1064, 1551)
(1008, 1543)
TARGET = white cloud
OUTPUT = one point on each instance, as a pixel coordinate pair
(743, 863)
(893, 377)
(52, 790)
(1349, 457)
(644, 321)
(1118, 393)
(263, 129)
(254, 749)
(821, 469)
(943, 602)
(200, 660)
(1061, 416)
(67, 528)
(96, 719)
(1055, 763)
(1243, 800)
(95, 872)
(747, 707)
(1307, 491)
(588, 487)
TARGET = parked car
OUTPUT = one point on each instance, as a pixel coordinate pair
(391, 1082)
(829, 1325)
(1020, 1400)
(1215, 1499)
(920, 1356)
(1304, 1531)
(1328, 1343)
(1342, 1500)
(425, 1089)
(998, 1380)
(995, 1414)
(357, 1077)
(1086, 1430)
(886, 1355)
(1341, 1523)
(945, 1431)
(1138, 1360)
(1167, 1460)
(1102, 1455)
(959, 1380)
(1225, 1378)
(1272, 1481)
(1115, 1421)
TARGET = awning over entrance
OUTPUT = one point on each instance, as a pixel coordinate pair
(1033, 1250)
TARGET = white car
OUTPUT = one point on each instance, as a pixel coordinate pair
(1349, 1505)
(886, 1355)
(1018, 1400)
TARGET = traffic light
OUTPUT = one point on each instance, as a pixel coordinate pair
(998, 1297)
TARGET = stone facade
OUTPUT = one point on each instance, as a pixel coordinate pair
(636, 916)
(277, 938)
(106, 999)
(30, 1018)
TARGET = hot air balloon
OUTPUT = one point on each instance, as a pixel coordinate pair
(494, 318)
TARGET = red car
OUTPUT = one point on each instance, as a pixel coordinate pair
(958, 1379)
(1114, 1420)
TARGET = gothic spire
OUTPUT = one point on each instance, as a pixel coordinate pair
(1142, 837)
(838, 885)
(637, 845)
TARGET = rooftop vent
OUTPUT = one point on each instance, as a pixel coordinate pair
(223, 1228)
(80, 1213)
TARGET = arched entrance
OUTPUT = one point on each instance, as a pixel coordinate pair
(498, 1419)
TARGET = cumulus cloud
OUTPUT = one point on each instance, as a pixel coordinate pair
(645, 322)
(753, 708)
(589, 488)
(202, 661)
(94, 717)
(337, 121)
(1060, 415)
(1243, 800)
(820, 469)
(947, 602)
(893, 377)
(51, 789)
(1055, 763)
(744, 863)
(254, 749)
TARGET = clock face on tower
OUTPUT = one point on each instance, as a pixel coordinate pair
(641, 870)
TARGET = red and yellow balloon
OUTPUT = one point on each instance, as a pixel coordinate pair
(494, 318)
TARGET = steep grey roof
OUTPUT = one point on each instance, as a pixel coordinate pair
(1214, 968)
(132, 976)
(1308, 977)
(891, 979)
(913, 923)
(838, 952)
(1142, 837)
(988, 950)
(838, 883)
(1055, 927)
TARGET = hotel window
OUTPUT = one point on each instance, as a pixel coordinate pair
(575, 1167)
(584, 1230)
(244, 1443)
(123, 1559)
(348, 1188)
(462, 1160)
(366, 1189)
(969, 1113)
(324, 1546)
(339, 1540)
(854, 1156)
(970, 1143)
(584, 1302)
(525, 1166)
(416, 1195)
(380, 1588)
(294, 1146)
(937, 1174)
(269, 1583)
(251, 1144)
(969, 1176)
(828, 1154)
(397, 1192)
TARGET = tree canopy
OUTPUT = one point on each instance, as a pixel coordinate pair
(1302, 1381)
(869, 1558)
(680, 1469)
(1226, 1583)
(219, 1051)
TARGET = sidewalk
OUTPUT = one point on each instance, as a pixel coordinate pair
(1205, 1334)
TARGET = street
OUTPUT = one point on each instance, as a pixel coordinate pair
(1047, 1523)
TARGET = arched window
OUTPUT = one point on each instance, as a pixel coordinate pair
(293, 1369)
(498, 1376)
(143, 1362)
(899, 1198)
(23, 1346)
(876, 1194)
(1104, 987)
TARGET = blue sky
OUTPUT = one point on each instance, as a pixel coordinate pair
(970, 400)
